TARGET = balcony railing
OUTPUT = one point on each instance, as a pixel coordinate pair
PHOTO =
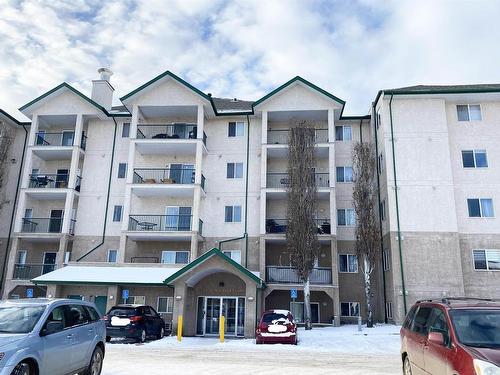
(163, 176)
(30, 271)
(167, 131)
(280, 136)
(144, 260)
(288, 275)
(280, 226)
(160, 223)
(42, 225)
(49, 180)
(282, 180)
(58, 139)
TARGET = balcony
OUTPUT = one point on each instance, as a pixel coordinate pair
(160, 227)
(175, 138)
(176, 182)
(52, 181)
(282, 180)
(144, 260)
(288, 275)
(30, 271)
(56, 145)
(279, 226)
(45, 225)
(280, 136)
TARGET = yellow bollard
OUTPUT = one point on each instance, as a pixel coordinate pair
(221, 328)
(179, 328)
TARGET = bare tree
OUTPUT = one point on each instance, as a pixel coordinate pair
(301, 234)
(367, 229)
(6, 137)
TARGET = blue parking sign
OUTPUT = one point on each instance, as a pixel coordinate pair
(293, 293)
(29, 292)
(125, 294)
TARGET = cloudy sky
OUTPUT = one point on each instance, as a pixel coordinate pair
(246, 48)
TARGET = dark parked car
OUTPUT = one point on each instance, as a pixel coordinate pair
(276, 327)
(133, 322)
(452, 336)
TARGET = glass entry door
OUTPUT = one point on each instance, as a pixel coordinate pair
(212, 316)
(232, 308)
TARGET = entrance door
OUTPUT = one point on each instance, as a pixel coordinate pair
(100, 303)
(212, 316)
(67, 138)
(229, 312)
(55, 223)
(62, 178)
(215, 307)
(49, 260)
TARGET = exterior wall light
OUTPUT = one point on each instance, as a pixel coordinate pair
(111, 297)
(178, 298)
(251, 298)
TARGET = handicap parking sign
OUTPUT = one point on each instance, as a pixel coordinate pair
(293, 293)
(125, 293)
(29, 293)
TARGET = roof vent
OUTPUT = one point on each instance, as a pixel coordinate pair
(105, 73)
(234, 100)
(209, 94)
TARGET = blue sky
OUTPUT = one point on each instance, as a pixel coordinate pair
(244, 49)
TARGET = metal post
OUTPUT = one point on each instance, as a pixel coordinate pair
(179, 328)
(359, 324)
(221, 328)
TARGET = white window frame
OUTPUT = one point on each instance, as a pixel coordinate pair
(344, 179)
(344, 127)
(175, 256)
(474, 152)
(468, 112)
(169, 305)
(232, 216)
(124, 124)
(116, 255)
(348, 263)
(345, 215)
(388, 309)
(132, 300)
(234, 177)
(303, 312)
(352, 303)
(386, 260)
(486, 252)
(239, 129)
(231, 255)
(125, 172)
(24, 257)
(481, 209)
(121, 213)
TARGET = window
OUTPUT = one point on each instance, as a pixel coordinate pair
(234, 170)
(233, 214)
(122, 170)
(344, 174)
(345, 217)
(92, 313)
(349, 309)
(112, 256)
(175, 257)
(469, 112)
(382, 210)
(136, 300)
(21, 256)
(386, 259)
(343, 133)
(236, 129)
(380, 163)
(388, 310)
(420, 322)
(77, 315)
(117, 213)
(165, 305)
(474, 159)
(480, 207)
(437, 323)
(126, 130)
(488, 260)
(234, 255)
(348, 263)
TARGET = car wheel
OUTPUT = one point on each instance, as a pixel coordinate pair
(142, 337)
(161, 334)
(21, 369)
(406, 366)
(95, 366)
(108, 338)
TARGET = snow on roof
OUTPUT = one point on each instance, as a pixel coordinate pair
(284, 312)
(107, 275)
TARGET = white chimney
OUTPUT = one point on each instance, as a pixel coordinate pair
(102, 91)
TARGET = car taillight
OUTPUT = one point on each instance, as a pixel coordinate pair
(135, 319)
(263, 327)
(105, 318)
(290, 327)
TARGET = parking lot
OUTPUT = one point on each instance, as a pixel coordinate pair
(340, 350)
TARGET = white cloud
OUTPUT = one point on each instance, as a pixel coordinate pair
(246, 48)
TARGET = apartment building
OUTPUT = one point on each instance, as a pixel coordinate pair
(177, 199)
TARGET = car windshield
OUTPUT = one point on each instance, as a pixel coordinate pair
(477, 328)
(19, 319)
(275, 318)
(122, 312)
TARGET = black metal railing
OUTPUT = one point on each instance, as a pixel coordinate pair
(200, 227)
(163, 176)
(288, 275)
(58, 139)
(281, 136)
(78, 183)
(280, 226)
(49, 180)
(144, 260)
(205, 139)
(30, 271)
(160, 223)
(203, 182)
(42, 225)
(282, 180)
(167, 131)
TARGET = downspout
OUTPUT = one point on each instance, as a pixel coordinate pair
(397, 208)
(376, 123)
(361, 130)
(107, 198)
(13, 210)
(245, 234)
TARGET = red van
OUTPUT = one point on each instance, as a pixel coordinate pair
(276, 327)
(452, 336)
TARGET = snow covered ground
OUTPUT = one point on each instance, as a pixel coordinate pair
(331, 350)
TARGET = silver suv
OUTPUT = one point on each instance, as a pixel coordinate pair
(50, 337)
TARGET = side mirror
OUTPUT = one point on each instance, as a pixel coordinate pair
(51, 327)
(436, 338)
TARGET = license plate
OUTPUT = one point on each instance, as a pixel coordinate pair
(275, 328)
(119, 322)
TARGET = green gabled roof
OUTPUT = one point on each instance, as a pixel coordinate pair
(165, 74)
(207, 255)
(305, 82)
